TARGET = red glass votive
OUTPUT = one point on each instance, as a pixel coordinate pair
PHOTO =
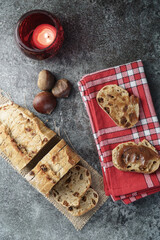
(24, 31)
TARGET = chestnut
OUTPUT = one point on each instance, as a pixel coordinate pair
(44, 102)
(62, 88)
(46, 80)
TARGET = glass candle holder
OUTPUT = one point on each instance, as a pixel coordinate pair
(25, 28)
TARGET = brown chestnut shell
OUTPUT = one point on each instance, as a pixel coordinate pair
(44, 102)
(62, 88)
(46, 80)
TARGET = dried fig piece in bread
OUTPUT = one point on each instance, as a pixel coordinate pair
(122, 108)
(87, 202)
(141, 157)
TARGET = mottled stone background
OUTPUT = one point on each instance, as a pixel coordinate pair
(98, 34)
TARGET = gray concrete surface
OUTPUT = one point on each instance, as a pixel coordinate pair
(98, 34)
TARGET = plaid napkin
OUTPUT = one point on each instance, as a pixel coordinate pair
(127, 186)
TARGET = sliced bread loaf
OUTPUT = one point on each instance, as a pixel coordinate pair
(52, 167)
(122, 108)
(141, 157)
(87, 202)
(72, 186)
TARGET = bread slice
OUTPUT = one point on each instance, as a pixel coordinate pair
(87, 202)
(43, 177)
(52, 167)
(41, 165)
(69, 190)
(122, 108)
(141, 157)
(28, 133)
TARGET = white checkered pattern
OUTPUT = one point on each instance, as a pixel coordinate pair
(133, 84)
(130, 72)
(119, 76)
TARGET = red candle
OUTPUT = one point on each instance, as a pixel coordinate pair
(44, 35)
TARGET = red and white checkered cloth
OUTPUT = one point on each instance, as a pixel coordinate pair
(126, 186)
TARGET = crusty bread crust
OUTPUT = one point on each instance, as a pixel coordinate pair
(9, 147)
(122, 108)
(136, 166)
(26, 134)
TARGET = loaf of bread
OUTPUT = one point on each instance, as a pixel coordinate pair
(22, 136)
(25, 134)
(87, 202)
(70, 189)
(141, 157)
(52, 167)
(122, 108)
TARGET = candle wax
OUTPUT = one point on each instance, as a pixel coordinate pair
(44, 35)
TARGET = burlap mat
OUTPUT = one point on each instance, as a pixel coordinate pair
(97, 184)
